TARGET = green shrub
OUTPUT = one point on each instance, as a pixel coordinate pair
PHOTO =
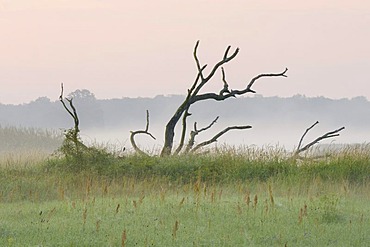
(220, 167)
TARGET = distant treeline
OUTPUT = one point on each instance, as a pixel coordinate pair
(275, 113)
(44, 113)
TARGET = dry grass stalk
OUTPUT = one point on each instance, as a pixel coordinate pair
(197, 187)
(239, 208)
(117, 208)
(182, 201)
(302, 213)
(247, 198)
(213, 196)
(141, 199)
(61, 193)
(97, 225)
(255, 201)
(175, 229)
(163, 194)
(84, 216)
(50, 214)
(123, 238)
(300, 216)
(305, 210)
(345, 188)
(198, 183)
(88, 186)
(271, 196)
(220, 195)
(266, 206)
(105, 190)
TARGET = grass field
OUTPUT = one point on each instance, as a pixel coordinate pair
(184, 217)
(226, 198)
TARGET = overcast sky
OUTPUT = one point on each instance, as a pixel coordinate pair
(118, 48)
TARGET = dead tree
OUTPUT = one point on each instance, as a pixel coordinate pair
(300, 149)
(146, 132)
(72, 135)
(194, 95)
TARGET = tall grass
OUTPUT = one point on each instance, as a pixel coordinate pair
(39, 177)
(97, 211)
(20, 139)
(228, 197)
(228, 165)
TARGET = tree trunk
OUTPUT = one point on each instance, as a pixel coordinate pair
(169, 134)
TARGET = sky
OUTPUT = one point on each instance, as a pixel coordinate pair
(119, 48)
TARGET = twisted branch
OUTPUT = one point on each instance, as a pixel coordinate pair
(146, 132)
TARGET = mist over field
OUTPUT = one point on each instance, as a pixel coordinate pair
(274, 120)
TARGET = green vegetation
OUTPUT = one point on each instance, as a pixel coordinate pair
(230, 197)
(226, 165)
(17, 139)
(88, 196)
(138, 214)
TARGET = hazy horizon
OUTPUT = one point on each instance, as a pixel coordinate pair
(56, 97)
(141, 49)
(274, 120)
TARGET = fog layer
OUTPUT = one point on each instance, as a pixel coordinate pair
(274, 120)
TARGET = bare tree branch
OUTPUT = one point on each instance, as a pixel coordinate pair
(146, 132)
(225, 59)
(234, 93)
(186, 113)
(226, 85)
(74, 113)
(76, 120)
(305, 133)
(205, 128)
(248, 89)
(195, 132)
(187, 105)
(327, 135)
(214, 139)
(194, 96)
(200, 70)
(72, 134)
(183, 132)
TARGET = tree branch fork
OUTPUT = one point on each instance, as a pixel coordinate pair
(328, 135)
(194, 95)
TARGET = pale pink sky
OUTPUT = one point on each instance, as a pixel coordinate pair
(118, 48)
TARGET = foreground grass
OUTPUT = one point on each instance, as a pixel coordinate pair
(225, 199)
(140, 214)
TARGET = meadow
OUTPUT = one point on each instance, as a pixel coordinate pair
(229, 196)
